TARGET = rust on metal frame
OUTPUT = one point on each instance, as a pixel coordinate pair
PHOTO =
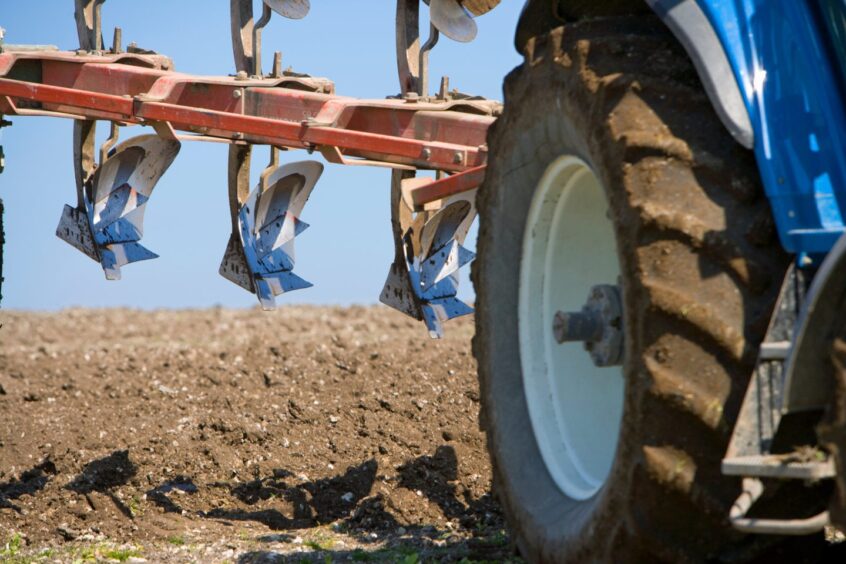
(293, 111)
(458, 183)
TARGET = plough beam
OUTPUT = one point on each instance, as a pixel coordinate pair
(439, 134)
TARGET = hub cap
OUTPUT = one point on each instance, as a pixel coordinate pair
(575, 407)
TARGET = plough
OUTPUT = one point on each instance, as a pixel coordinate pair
(284, 110)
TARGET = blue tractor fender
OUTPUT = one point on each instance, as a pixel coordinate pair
(775, 71)
(691, 26)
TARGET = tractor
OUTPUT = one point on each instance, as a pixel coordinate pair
(661, 262)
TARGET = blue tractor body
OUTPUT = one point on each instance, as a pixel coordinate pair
(788, 60)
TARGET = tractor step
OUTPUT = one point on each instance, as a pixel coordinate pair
(753, 489)
(781, 466)
(762, 414)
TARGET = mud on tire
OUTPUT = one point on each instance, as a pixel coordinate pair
(701, 268)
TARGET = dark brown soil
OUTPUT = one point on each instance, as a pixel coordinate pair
(242, 435)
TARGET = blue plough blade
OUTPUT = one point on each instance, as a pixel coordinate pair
(111, 224)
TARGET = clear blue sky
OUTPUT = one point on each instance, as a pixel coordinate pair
(347, 250)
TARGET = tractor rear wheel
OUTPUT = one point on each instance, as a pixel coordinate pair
(609, 167)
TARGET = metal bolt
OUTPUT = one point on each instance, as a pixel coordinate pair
(411, 97)
(457, 158)
(117, 41)
(277, 65)
(241, 75)
(443, 92)
(237, 93)
(427, 153)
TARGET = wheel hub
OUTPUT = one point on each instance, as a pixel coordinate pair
(599, 325)
(574, 397)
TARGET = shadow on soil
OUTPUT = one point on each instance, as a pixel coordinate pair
(29, 482)
(104, 474)
(347, 495)
(314, 502)
(435, 477)
(346, 501)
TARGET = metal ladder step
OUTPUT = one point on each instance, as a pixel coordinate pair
(774, 350)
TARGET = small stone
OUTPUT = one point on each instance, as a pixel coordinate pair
(401, 531)
(448, 436)
(333, 419)
(297, 540)
(66, 532)
(348, 497)
(382, 449)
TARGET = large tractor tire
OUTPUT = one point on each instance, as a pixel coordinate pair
(609, 166)
(541, 16)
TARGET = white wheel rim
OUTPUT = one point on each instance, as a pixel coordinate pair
(575, 407)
